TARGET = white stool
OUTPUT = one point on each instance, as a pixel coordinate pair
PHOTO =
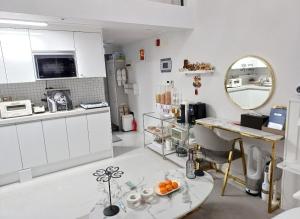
(289, 214)
(292, 213)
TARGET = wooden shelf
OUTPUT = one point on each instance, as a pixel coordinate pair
(199, 72)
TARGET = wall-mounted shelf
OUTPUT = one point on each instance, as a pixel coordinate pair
(197, 73)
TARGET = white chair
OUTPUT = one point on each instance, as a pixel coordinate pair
(218, 150)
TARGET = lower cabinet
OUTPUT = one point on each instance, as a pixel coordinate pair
(78, 136)
(56, 140)
(37, 143)
(99, 132)
(10, 157)
(32, 146)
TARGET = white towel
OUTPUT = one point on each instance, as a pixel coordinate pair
(119, 75)
(124, 76)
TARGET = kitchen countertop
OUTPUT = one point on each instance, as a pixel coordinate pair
(249, 87)
(48, 115)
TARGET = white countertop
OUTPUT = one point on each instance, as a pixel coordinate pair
(249, 87)
(242, 130)
(48, 115)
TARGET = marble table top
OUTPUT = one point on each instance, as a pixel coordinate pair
(243, 131)
(189, 197)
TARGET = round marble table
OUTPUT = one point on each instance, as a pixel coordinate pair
(190, 196)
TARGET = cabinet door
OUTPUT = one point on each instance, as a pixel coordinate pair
(17, 55)
(10, 157)
(99, 132)
(56, 141)
(45, 40)
(32, 146)
(3, 79)
(89, 54)
(78, 136)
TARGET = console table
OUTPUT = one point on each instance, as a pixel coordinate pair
(226, 125)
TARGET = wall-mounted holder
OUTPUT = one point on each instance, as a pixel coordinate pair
(105, 175)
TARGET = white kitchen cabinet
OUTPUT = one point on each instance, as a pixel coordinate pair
(32, 146)
(17, 55)
(3, 79)
(99, 132)
(78, 136)
(10, 157)
(56, 140)
(89, 54)
(46, 40)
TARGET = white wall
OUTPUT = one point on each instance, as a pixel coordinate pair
(225, 31)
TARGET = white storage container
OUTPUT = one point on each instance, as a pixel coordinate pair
(127, 122)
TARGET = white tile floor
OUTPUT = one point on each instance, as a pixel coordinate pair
(72, 193)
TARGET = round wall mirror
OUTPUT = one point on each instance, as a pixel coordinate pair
(250, 82)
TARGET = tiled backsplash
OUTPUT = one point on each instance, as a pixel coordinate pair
(82, 90)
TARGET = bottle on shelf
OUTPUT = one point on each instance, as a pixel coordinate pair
(265, 187)
(190, 166)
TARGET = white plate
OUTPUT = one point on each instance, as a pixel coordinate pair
(157, 190)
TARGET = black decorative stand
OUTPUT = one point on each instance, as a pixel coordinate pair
(105, 175)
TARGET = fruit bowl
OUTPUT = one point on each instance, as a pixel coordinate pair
(163, 188)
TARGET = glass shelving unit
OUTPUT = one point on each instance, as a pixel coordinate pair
(158, 128)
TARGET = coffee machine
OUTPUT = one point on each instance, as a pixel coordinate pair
(196, 111)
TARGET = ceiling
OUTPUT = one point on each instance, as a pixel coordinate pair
(113, 32)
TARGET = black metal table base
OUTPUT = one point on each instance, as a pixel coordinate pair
(111, 210)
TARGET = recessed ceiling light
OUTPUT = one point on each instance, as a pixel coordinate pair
(25, 23)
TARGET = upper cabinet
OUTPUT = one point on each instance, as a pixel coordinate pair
(89, 54)
(3, 79)
(45, 40)
(17, 47)
(16, 51)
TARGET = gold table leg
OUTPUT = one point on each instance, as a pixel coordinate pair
(272, 208)
(243, 157)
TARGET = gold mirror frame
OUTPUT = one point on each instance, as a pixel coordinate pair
(272, 77)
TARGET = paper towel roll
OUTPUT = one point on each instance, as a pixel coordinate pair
(147, 194)
(134, 199)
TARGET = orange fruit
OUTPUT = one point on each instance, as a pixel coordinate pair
(169, 188)
(168, 182)
(174, 185)
(162, 185)
(163, 190)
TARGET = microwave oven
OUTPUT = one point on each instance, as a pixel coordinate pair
(12, 109)
(55, 65)
(235, 82)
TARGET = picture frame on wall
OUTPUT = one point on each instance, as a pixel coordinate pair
(59, 100)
